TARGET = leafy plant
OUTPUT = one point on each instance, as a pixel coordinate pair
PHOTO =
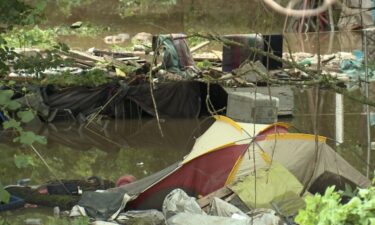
(39, 62)
(86, 30)
(14, 12)
(92, 78)
(328, 209)
(129, 8)
(23, 161)
(6, 54)
(205, 64)
(66, 6)
(31, 37)
(195, 40)
(4, 195)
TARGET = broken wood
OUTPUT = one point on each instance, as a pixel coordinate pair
(85, 56)
(101, 53)
(222, 193)
(199, 46)
(219, 54)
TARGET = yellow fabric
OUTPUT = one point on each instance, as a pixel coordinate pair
(269, 185)
(233, 172)
(265, 157)
(295, 136)
(230, 121)
(223, 133)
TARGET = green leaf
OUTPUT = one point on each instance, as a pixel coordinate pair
(12, 123)
(28, 138)
(11, 83)
(23, 161)
(26, 116)
(13, 105)
(5, 96)
(81, 221)
(4, 195)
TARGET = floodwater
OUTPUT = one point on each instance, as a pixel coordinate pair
(115, 148)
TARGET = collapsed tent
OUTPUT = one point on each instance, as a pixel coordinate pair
(229, 151)
(173, 99)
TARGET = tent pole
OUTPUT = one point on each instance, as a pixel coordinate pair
(339, 119)
(366, 55)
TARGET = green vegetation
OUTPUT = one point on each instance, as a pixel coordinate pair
(328, 209)
(129, 8)
(195, 40)
(203, 65)
(18, 12)
(27, 38)
(92, 78)
(86, 30)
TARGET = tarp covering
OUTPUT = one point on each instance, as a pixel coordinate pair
(174, 100)
(176, 54)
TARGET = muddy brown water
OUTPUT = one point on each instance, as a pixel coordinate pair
(114, 148)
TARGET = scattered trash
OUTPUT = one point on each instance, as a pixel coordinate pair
(193, 219)
(103, 223)
(178, 202)
(76, 25)
(152, 217)
(140, 164)
(116, 39)
(23, 182)
(125, 179)
(56, 211)
(33, 221)
(14, 203)
(220, 207)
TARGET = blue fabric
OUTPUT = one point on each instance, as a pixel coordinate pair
(355, 68)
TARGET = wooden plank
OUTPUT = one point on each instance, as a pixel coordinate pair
(219, 54)
(127, 58)
(199, 46)
(221, 193)
(86, 56)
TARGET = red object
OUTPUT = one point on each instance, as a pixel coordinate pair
(125, 179)
(43, 191)
(201, 176)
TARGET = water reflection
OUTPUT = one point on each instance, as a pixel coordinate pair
(108, 150)
(352, 129)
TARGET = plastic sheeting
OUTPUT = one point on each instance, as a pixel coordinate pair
(180, 209)
(103, 205)
(222, 208)
(194, 219)
(179, 202)
(146, 217)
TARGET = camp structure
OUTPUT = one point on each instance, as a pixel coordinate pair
(227, 152)
(184, 99)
